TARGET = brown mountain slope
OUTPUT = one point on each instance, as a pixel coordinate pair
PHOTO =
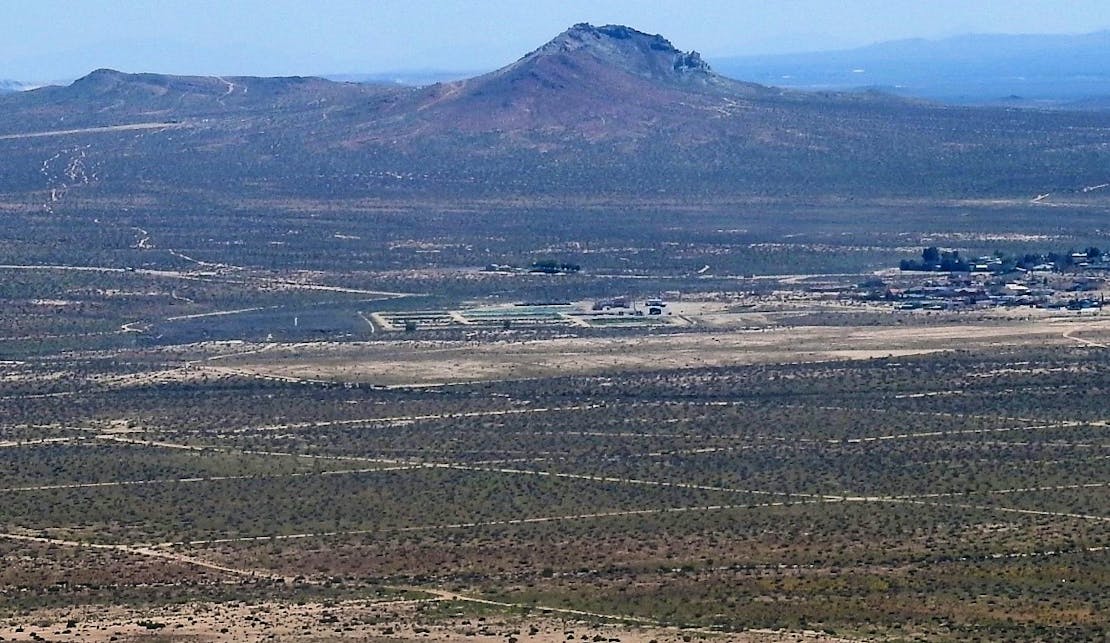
(609, 82)
(598, 110)
(585, 67)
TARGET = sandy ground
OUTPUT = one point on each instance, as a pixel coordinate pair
(729, 338)
(415, 362)
(341, 621)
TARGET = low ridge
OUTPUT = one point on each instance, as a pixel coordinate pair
(597, 109)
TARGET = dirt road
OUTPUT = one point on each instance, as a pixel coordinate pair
(93, 130)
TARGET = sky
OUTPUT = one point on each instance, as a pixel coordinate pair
(52, 40)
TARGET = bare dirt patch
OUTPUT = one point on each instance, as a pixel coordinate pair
(401, 620)
(428, 363)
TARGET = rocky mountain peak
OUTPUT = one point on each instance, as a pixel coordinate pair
(584, 30)
(626, 48)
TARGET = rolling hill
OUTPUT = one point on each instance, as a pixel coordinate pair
(598, 112)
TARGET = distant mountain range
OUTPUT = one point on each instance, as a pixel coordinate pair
(596, 113)
(8, 86)
(1039, 70)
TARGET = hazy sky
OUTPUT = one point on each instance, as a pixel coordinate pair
(60, 39)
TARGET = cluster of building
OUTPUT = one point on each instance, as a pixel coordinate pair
(934, 259)
(1055, 280)
(654, 306)
(967, 291)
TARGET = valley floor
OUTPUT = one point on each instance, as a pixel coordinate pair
(932, 480)
(194, 447)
